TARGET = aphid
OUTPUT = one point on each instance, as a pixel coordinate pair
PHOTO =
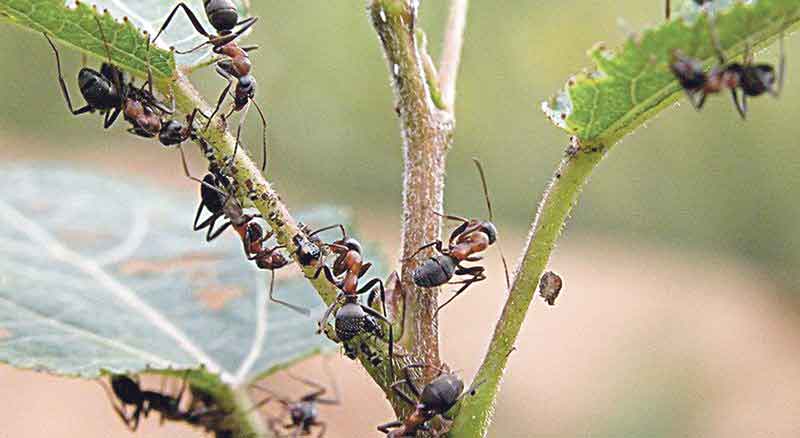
(235, 66)
(550, 287)
(351, 317)
(466, 241)
(435, 398)
(752, 79)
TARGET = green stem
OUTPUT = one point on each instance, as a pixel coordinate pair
(475, 412)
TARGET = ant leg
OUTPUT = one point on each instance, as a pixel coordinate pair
(467, 283)
(396, 388)
(323, 426)
(211, 236)
(117, 79)
(319, 390)
(219, 41)
(390, 425)
(249, 48)
(298, 309)
(368, 287)
(330, 227)
(64, 90)
(336, 396)
(193, 18)
(364, 268)
(328, 273)
(699, 104)
(374, 313)
(450, 216)
(111, 117)
(742, 108)
(667, 9)
(120, 410)
(436, 243)
(715, 41)
(781, 70)
(321, 323)
(222, 96)
(263, 137)
(242, 119)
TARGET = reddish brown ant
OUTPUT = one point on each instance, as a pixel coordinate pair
(753, 79)
(435, 398)
(235, 67)
(303, 412)
(466, 241)
(351, 317)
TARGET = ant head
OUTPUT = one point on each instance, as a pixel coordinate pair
(490, 230)
(351, 244)
(171, 133)
(246, 86)
(302, 412)
(688, 71)
(126, 389)
(758, 79)
(222, 14)
(442, 393)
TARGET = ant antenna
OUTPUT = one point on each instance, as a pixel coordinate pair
(491, 215)
(298, 309)
(103, 36)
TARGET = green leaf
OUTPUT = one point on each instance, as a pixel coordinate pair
(633, 84)
(77, 27)
(100, 276)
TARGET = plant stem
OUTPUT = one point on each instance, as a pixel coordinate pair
(474, 415)
(451, 52)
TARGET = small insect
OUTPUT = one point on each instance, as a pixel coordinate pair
(216, 196)
(351, 317)
(303, 412)
(435, 398)
(109, 93)
(235, 67)
(550, 287)
(466, 241)
(752, 79)
(668, 6)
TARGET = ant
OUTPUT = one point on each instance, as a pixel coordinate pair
(471, 237)
(753, 79)
(267, 258)
(106, 91)
(216, 196)
(235, 67)
(668, 6)
(435, 398)
(351, 317)
(129, 392)
(308, 247)
(303, 412)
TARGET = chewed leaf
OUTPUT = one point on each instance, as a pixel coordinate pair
(634, 83)
(97, 275)
(78, 27)
(149, 15)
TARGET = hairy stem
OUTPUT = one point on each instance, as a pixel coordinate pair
(474, 415)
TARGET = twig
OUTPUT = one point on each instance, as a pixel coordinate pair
(474, 414)
(451, 52)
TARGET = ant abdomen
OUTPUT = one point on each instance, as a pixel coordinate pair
(126, 389)
(442, 393)
(350, 321)
(435, 271)
(98, 91)
(757, 79)
(222, 14)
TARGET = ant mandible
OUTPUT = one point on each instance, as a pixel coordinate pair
(435, 398)
(351, 317)
(303, 412)
(235, 67)
(468, 239)
(753, 79)
(106, 91)
(668, 6)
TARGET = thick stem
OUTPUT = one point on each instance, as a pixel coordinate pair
(474, 414)
(427, 134)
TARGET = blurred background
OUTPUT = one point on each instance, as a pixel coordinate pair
(680, 314)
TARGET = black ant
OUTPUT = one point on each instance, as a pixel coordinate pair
(216, 196)
(435, 398)
(351, 317)
(129, 393)
(753, 79)
(106, 91)
(267, 258)
(303, 412)
(668, 6)
(236, 66)
(471, 237)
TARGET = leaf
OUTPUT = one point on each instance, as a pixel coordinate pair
(634, 84)
(77, 27)
(149, 15)
(97, 275)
